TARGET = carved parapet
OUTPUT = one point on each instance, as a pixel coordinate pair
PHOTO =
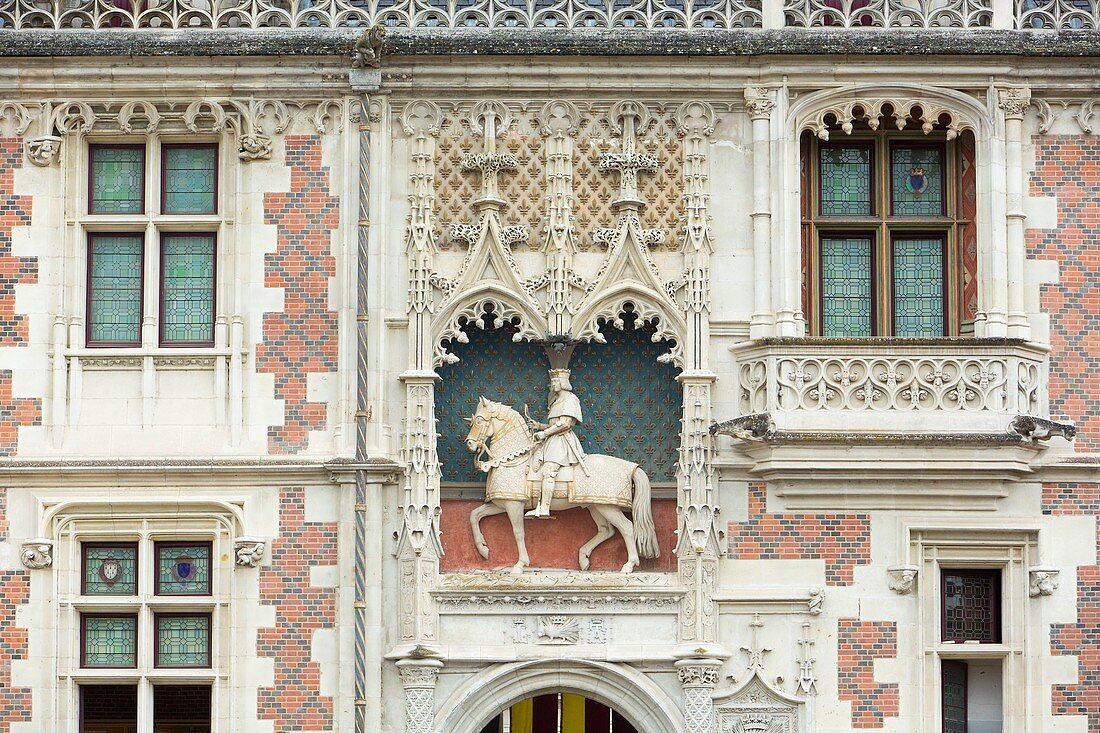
(37, 554)
(902, 579)
(1042, 581)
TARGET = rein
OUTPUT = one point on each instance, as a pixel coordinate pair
(509, 459)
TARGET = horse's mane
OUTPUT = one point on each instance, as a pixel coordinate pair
(500, 406)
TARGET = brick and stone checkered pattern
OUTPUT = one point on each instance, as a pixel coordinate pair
(302, 338)
(15, 702)
(15, 211)
(1080, 639)
(859, 644)
(294, 702)
(1068, 168)
(841, 540)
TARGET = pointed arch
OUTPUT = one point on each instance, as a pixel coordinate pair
(621, 687)
(471, 306)
(609, 307)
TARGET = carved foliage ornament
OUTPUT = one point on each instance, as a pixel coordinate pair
(37, 554)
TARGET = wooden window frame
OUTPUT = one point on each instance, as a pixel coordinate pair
(944, 273)
(107, 614)
(157, 615)
(164, 177)
(883, 226)
(157, 544)
(85, 546)
(163, 295)
(997, 601)
(83, 687)
(88, 340)
(943, 695)
(92, 148)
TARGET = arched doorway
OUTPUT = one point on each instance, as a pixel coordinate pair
(560, 712)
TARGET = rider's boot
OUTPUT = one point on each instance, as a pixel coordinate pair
(542, 509)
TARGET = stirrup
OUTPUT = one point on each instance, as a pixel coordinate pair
(536, 514)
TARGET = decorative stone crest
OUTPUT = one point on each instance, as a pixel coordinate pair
(248, 552)
(44, 151)
(37, 554)
(1042, 581)
(902, 578)
(558, 629)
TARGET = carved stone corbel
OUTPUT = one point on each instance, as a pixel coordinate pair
(37, 554)
(698, 678)
(1037, 428)
(248, 551)
(902, 579)
(43, 151)
(418, 678)
(1042, 581)
(755, 428)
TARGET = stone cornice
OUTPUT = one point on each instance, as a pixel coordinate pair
(553, 42)
(24, 472)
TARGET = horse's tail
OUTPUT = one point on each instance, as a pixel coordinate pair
(645, 534)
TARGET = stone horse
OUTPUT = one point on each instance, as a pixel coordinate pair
(503, 435)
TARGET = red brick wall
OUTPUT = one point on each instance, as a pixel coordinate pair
(294, 702)
(859, 644)
(15, 702)
(1080, 639)
(15, 211)
(841, 540)
(1068, 167)
(551, 543)
(302, 338)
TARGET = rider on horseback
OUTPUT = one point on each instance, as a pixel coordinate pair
(558, 444)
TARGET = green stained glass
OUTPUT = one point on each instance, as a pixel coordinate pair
(115, 312)
(846, 287)
(917, 175)
(110, 570)
(183, 640)
(918, 288)
(188, 296)
(118, 180)
(110, 641)
(846, 181)
(183, 569)
(189, 179)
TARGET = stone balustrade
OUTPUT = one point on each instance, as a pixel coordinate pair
(887, 385)
(550, 14)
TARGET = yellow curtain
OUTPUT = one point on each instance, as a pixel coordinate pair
(572, 713)
(523, 716)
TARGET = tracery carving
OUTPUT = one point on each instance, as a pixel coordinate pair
(890, 14)
(16, 115)
(757, 705)
(1057, 14)
(904, 105)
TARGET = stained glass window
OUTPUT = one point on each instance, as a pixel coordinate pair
(183, 640)
(118, 179)
(918, 288)
(183, 569)
(188, 289)
(114, 265)
(190, 174)
(846, 181)
(109, 640)
(846, 287)
(971, 605)
(110, 569)
(917, 177)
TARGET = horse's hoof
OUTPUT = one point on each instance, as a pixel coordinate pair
(517, 568)
(483, 550)
(584, 562)
(628, 568)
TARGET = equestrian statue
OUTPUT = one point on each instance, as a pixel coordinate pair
(537, 467)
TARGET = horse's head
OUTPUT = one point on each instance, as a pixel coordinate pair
(481, 426)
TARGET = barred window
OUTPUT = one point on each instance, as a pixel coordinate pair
(971, 605)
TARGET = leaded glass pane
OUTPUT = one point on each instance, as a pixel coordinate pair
(845, 181)
(183, 641)
(188, 297)
(918, 288)
(189, 176)
(917, 175)
(110, 570)
(115, 312)
(183, 569)
(118, 180)
(846, 287)
(970, 605)
(110, 641)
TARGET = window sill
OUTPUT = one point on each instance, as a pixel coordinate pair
(163, 357)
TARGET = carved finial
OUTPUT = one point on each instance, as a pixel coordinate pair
(754, 650)
(489, 118)
(628, 119)
(807, 681)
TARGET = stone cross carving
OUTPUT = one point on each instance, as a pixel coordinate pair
(627, 119)
(489, 118)
(807, 681)
(754, 650)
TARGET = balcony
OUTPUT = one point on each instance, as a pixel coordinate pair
(895, 409)
(552, 14)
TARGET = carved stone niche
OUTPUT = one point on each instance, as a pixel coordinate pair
(756, 707)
